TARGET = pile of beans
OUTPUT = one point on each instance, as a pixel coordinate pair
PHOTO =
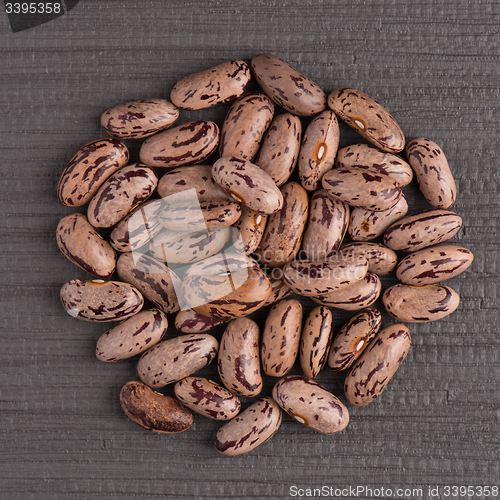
(212, 243)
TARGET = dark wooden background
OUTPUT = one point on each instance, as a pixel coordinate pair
(436, 67)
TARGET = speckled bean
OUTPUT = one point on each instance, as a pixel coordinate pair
(381, 260)
(281, 337)
(186, 144)
(318, 149)
(287, 87)
(221, 264)
(154, 411)
(422, 229)
(82, 245)
(352, 339)
(207, 398)
(250, 229)
(139, 119)
(368, 157)
(245, 125)
(420, 304)
(120, 194)
(189, 321)
(280, 147)
(232, 296)
(99, 300)
(365, 225)
(434, 176)
(315, 341)
(374, 369)
(239, 359)
(311, 404)
(152, 278)
(176, 358)
(248, 184)
(88, 169)
(279, 290)
(132, 336)
(326, 227)
(434, 264)
(365, 189)
(368, 117)
(310, 278)
(212, 86)
(283, 235)
(361, 294)
(251, 428)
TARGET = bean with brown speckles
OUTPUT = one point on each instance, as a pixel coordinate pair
(358, 295)
(318, 149)
(139, 119)
(435, 179)
(186, 144)
(99, 300)
(222, 264)
(279, 290)
(312, 278)
(212, 86)
(315, 341)
(245, 125)
(281, 337)
(381, 260)
(88, 169)
(185, 179)
(368, 157)
(250, 229)
(120, 194)
(368, 117)
(352, 339)
(152, 278)
(238, 294)
(326, 227)
(189, 321)
(422, 229)
(287, 87)
(132, 336)
(365, 225)
(83, 246)
(280, 148)
(207, 398)
(374, 369)
(176, 358)
(365, 189)
(434, 264)
(239, 359)
(420, 304)
(311, 404)
(283, 235)
(250, 429)
(154, 411)
(248, 184)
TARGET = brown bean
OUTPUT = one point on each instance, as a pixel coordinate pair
(381, 260)
(239, 359)
(374, 369)
(84, 246)
(186, 144)
(280, 148)
(154, 411)
(281, 337)
(189, 321)
(287, 87)
(223, 263)
(368, 117)
(250, 229)
(88, 169)
(139, 119)
(318, 149)
(279, 290)
(245, 125)
(212, 86)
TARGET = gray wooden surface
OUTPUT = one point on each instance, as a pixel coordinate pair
(436, 67)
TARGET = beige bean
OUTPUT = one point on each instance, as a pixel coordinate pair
(250, 229)
(311, 404)
(381, 260)
(189, 321)
(281, 337)
(279, 290)
(374, 369)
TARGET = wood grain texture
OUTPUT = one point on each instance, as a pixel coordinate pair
(435, 66)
